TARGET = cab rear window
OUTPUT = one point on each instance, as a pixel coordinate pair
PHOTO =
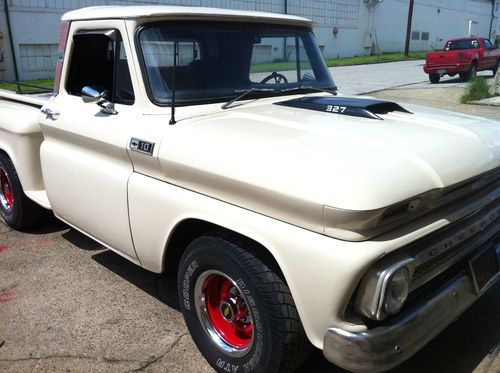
(456, 45)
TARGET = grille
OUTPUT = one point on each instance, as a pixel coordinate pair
(438, 252)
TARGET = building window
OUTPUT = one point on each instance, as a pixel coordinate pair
(38, 57)
(415, 35)
(424, 36)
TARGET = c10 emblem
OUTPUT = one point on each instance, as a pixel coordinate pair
(142, 146)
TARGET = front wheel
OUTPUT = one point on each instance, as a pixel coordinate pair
(472, 72)
(239, 312)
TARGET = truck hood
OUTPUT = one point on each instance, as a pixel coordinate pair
(290, 162)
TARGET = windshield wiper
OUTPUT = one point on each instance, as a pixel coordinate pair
(244, 93)
(332, 91)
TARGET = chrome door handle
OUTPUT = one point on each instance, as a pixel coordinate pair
(50, 113)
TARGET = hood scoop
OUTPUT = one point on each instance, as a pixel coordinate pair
(356, 107)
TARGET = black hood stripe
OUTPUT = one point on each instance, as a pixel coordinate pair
(356, 107)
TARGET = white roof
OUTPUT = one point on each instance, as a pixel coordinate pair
(181, 12)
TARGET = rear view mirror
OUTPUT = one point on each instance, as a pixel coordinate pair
(90, 95)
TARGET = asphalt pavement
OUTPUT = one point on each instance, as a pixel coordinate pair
(364, 79)
(67, 304)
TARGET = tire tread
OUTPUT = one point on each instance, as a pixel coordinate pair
(282, 309)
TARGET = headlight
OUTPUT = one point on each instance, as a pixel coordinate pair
(396, 291)
(384, 288)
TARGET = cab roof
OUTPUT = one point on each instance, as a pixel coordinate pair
(182, 12)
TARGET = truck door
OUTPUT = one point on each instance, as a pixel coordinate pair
(489, 54)
(84, 155)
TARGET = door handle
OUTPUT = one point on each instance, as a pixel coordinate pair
(50, 113)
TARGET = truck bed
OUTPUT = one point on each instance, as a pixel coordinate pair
(35, 99)
(21, 137)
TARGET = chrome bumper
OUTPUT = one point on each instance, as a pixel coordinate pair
(386, 346)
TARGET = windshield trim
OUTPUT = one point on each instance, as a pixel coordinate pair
(216, 26)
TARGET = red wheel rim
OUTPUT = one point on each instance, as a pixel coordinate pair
(228, 312)
(6, 190)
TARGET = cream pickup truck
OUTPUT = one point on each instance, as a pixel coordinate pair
(212, 143)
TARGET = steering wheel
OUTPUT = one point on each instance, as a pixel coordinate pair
(278, 78)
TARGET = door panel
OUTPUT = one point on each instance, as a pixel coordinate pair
(86, 169)
(85, 164)
(489, 58)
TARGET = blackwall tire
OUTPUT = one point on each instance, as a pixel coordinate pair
(472, 71)
(240, 313)
(434, 78)
(16, 209)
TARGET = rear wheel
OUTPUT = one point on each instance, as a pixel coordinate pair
(239, 312)
(434, 78)
(495, 69)
(16, 209)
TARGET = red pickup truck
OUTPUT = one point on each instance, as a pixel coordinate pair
(464, 57)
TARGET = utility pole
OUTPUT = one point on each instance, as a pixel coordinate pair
(9, 31)
(408, 28)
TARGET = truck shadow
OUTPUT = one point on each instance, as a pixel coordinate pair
(460, 348)
(81, 241)
(160, 286)
(457, 79)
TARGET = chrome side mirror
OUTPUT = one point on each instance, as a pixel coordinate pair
(90, 95)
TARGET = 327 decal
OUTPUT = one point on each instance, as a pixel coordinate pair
(336, 109)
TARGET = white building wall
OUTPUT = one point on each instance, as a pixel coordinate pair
(442, 19)
(362, 26)
(349, 17)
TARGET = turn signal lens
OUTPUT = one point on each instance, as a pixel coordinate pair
(396, 291)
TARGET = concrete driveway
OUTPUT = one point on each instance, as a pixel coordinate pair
(361, 79)
(69, 305)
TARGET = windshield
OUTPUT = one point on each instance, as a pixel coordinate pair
(217, 61)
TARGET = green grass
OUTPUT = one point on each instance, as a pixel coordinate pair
(268, 67)
(45, 83)
(333, 62)
(375, 58)
(476, 89)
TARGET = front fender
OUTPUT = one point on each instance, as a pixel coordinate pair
(321, 272)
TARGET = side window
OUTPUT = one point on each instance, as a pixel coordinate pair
(99, 61)
(488, 45)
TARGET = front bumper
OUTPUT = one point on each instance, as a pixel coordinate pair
(386, 346)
